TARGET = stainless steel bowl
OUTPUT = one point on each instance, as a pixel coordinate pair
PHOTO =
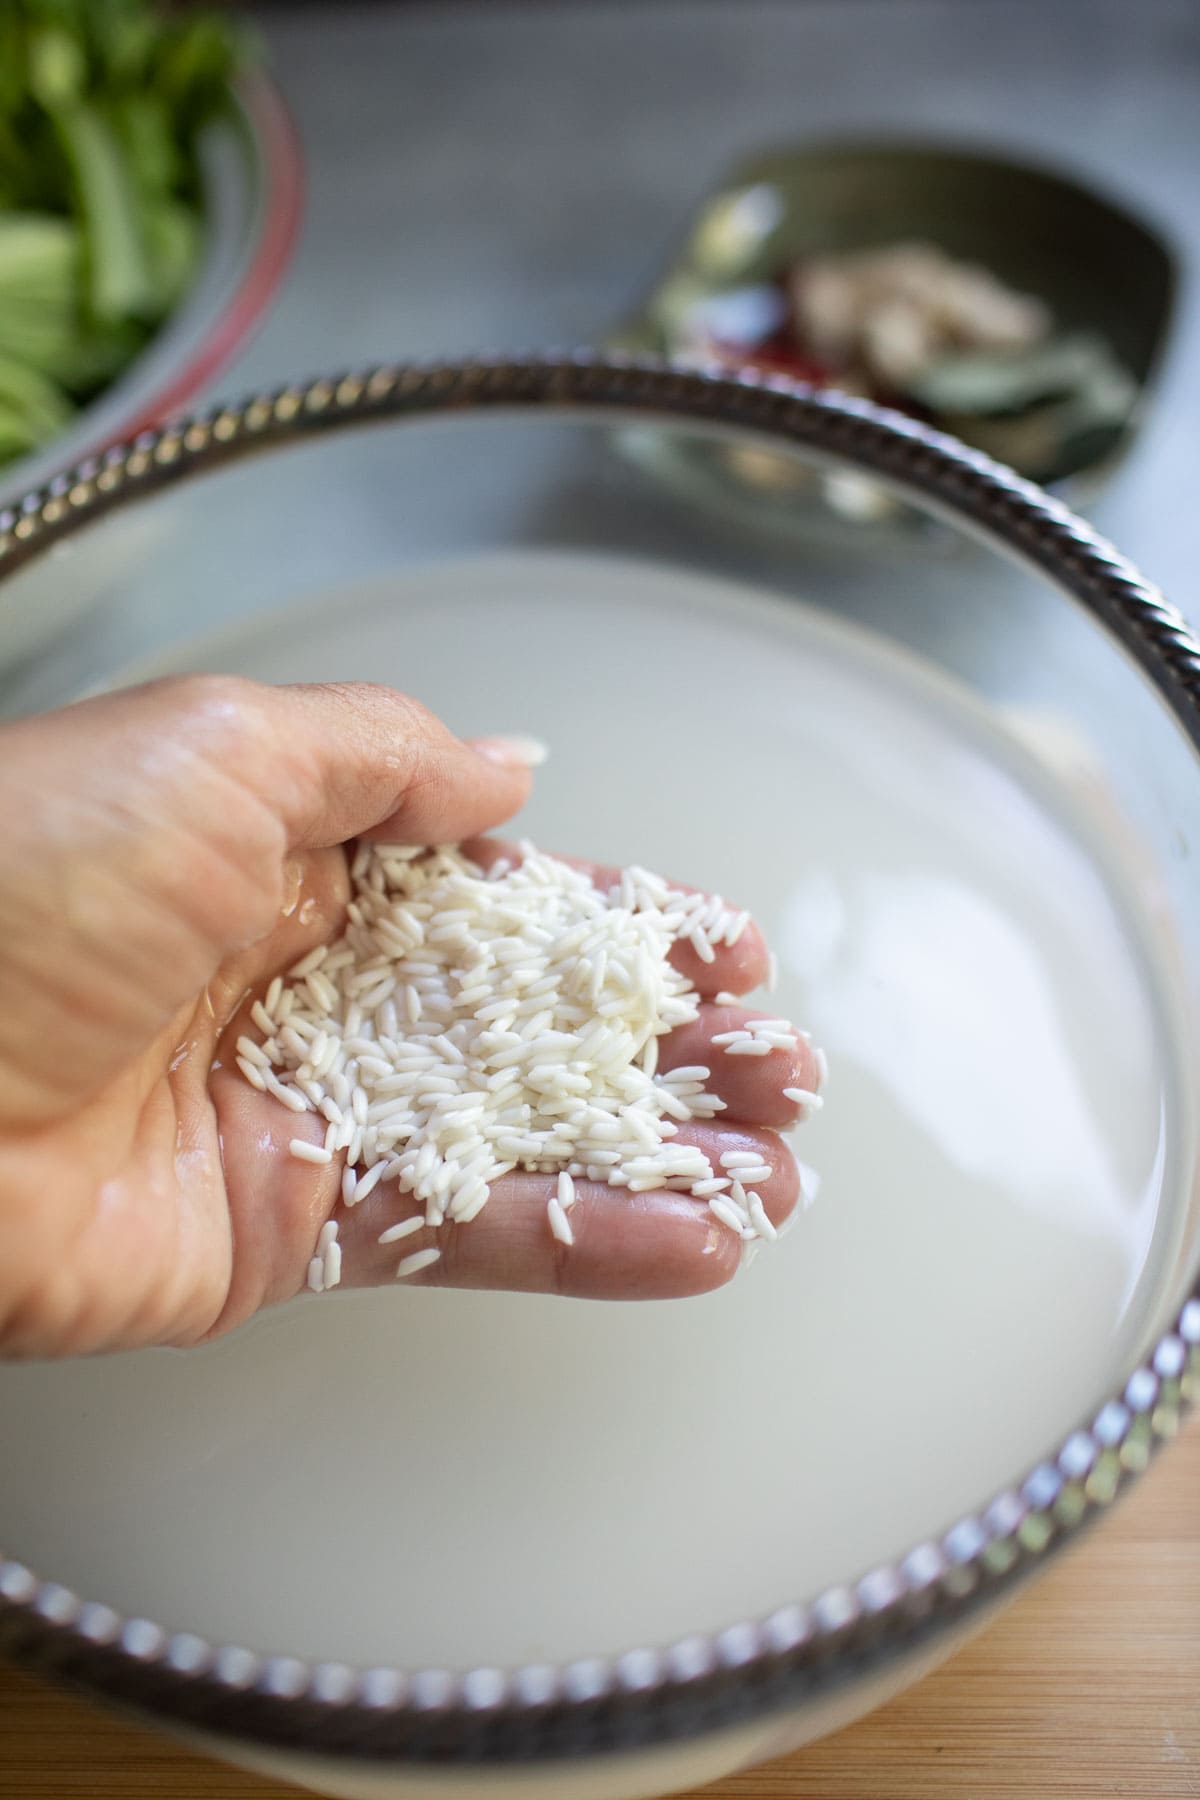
(289, 490)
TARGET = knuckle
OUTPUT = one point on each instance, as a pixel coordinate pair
(371, 698)
(217, 703)
(222, 720)
(221, 846)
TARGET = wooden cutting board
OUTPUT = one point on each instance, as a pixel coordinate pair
(1089, 1687)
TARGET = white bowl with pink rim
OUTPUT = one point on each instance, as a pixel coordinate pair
(252, 191)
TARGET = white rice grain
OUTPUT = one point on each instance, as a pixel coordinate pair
(368, 1183)
(464, 1026)
(560, 1225)
(290, 1098)
(303, 1151)
(759, 1219)
(330, 1252)
(736, 929)
(412, 1265)
(308, 963)
(404, 1229)
(727, 1213)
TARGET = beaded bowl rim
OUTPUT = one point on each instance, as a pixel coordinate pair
(700, 1684)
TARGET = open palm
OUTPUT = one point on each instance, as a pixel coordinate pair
(169, 850)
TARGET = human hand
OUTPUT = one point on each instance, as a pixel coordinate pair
(170, 849)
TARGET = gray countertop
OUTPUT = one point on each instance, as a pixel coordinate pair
(511, 176)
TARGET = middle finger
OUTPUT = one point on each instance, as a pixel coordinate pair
(757, 1089)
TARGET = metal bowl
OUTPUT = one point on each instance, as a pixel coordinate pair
(465, 456)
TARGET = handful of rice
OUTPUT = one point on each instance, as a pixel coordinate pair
(468, 1023)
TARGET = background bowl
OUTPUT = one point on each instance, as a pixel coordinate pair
(960, 1447)
(253, 185)
(1105, 273)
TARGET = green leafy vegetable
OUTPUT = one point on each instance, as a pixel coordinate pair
(102, 103)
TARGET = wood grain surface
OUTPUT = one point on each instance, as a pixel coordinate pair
(1089, 1687)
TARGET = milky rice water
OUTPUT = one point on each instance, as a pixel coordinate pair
(453, 1479)
(468, 1023)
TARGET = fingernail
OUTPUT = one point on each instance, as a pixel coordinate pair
(514, 752)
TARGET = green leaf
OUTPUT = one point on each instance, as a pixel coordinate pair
(146, 131)
(14, 62)
(36, 398)
(196, 60)
(92, 361)
(57, 67)
(53, 342)
(43, 338)
(119, 284)
(17, 436)
(997, 382)
(126, 45)
(40, 255)
(101, 103)
(173, 236)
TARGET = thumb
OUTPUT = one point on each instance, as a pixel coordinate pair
(146, 833)
(344, 759)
